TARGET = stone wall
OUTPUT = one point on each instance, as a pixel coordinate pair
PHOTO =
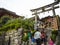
(1, 40)
(14, 37)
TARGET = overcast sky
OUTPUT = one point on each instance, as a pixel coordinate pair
(23, 7)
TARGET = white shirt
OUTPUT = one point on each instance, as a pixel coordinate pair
(37, 35)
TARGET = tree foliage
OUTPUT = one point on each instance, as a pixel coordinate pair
(4, 20)
(26, 24)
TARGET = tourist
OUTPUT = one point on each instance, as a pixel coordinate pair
(37, 36)
(43, 37)
(51, 42)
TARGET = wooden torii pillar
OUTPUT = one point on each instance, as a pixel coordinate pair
(44, 9)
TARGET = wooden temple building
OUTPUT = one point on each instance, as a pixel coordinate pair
(5, 12)
(51, 22)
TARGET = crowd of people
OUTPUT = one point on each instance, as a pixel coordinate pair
(40, 38)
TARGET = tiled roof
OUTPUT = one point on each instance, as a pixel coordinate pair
(5, 11)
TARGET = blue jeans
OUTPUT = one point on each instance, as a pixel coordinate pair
(38, 41)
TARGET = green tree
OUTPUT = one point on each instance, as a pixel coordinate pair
(26, 24)
(4, 20)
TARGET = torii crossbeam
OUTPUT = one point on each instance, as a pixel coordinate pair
(44, 9)
(47, 6)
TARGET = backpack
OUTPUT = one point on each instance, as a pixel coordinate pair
(43, 35)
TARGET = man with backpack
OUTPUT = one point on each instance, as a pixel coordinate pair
(37, 37)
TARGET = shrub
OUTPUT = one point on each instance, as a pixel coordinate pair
(54, 35)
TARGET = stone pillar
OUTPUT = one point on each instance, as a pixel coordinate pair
(30, 41)
(1, 40)
(48, 34)
(20, 35)
(6, 40)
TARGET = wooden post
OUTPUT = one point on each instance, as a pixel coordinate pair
(36, 20)
(53, 10)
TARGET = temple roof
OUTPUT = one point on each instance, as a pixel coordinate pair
(5, 11)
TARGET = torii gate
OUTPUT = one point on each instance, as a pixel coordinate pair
(44, 9)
